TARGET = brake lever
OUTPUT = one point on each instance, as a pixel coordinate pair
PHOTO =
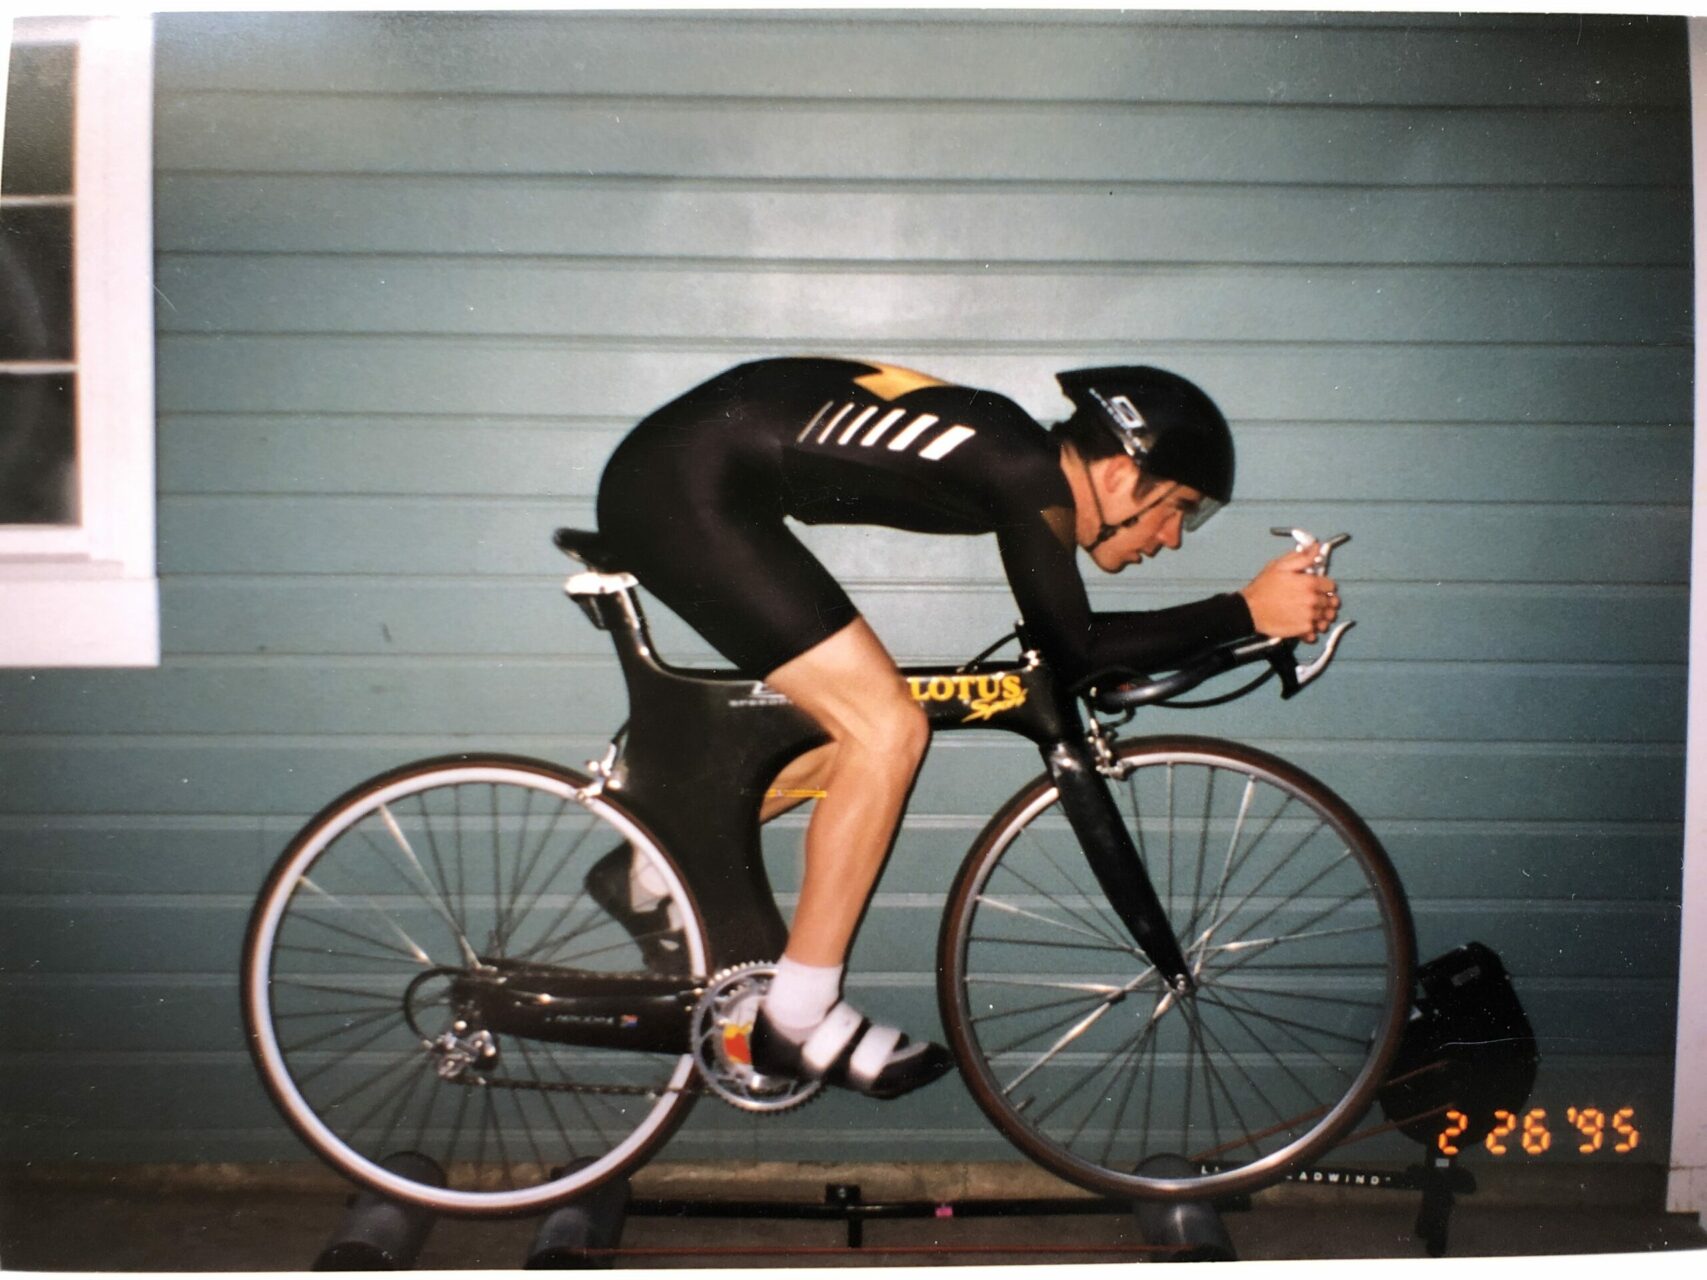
(1294, 677)
(1303, 540)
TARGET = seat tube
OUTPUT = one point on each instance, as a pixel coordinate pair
(1113, 858)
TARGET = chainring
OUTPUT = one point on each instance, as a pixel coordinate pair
(721, 1023)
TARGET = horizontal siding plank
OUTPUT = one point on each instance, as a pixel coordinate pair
(1270, 381)
(1433, 59)
(843, 222)
(208, 1105)
(89, 934)
(499, 297)
(427, 617)
(287, 133)
(200, 1016)
(488, 697)
(1385, 782)
(1439, 858)
(1465, 543)
(1527, 462)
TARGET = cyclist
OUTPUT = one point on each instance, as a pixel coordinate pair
(694, 501)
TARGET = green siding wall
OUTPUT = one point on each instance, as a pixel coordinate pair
(417, 275)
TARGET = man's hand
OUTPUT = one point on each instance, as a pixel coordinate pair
(1287, 601)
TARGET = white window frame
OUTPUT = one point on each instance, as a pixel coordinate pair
(87, 595)
(1686, 1188)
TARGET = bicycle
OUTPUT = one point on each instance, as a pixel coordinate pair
(1226, 953)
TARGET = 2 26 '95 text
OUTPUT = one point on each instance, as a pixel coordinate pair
(1591, 1131)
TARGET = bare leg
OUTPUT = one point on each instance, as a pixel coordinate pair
(850, 685)
(801, 779)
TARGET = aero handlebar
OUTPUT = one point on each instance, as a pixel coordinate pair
(1281, 654)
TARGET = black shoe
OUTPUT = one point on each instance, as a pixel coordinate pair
(661, 944)
(849, 1052)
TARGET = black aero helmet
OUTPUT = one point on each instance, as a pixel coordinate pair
(1164, 423)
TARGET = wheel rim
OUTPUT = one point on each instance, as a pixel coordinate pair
(425, 873)
(1297, 941)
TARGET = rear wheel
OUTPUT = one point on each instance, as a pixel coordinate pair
(384, 900)
(1298, 938)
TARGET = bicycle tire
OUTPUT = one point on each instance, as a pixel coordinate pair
(1304, 1016)
(397, 883)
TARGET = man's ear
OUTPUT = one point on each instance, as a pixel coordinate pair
(1117, 474)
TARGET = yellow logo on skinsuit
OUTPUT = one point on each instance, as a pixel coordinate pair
(891, 380)
(987, 696)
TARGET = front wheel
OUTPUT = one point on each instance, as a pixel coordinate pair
(389, 904)
(1298, 939)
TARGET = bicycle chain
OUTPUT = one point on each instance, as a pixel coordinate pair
(565, 1086)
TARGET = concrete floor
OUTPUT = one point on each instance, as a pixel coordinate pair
(137, 1223)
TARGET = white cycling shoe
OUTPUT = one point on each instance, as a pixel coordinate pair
(847, 1050)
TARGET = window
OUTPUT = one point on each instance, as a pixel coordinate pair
(77, 573)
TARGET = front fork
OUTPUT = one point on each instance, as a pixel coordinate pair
(1114, 860)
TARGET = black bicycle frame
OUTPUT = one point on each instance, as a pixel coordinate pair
(703, 748)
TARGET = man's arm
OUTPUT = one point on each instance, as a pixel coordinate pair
(1079, 643)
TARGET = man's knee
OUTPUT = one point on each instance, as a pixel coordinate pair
(898, 732)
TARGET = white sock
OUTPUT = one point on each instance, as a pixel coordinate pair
(800, 995)
(646, 888)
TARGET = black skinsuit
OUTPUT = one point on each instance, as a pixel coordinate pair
(694, 500)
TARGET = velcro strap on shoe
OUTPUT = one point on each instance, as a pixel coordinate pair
(832, 1038)
(872, 1054)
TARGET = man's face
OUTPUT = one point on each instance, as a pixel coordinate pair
(1157, 512)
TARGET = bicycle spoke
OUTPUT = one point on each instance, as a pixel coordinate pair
(293, 948)
(304, 984)
(550, 930)
(1100, 915)
(1132, 1074)
(1055, 943)
(1002, 980)
(398, 1062)
(1085, 1078)
(550, 1099)
(594, 924)
(434, 854)
(1093, 924)
(384, 1145)
(1250, 1137)
(1286, 1123)
(1202, 844)
(498, 1137)
(306, 1077)
(1214, 904)
(1274, 869)
(508, 899)
(1049, 1027)
(412, 950)
(1248, 944)
(1084, 1025)
(1111, 944)
(1023, 1009)
(497, 868)
(1194, 1034)
(1294, 1023)
(516, 911)
(334, 1012)
(461, 867)
(1281, 993)
(343, 1028)
(402, 842)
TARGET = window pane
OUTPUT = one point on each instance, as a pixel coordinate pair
(35, 284)
(37, 155)
(38, 450)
